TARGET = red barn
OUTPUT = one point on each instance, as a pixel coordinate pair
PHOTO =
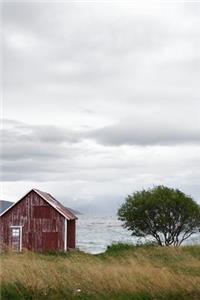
(38, 222)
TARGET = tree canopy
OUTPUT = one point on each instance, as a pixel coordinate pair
(166, 214)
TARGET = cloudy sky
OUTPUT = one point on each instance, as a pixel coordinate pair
(100, 99)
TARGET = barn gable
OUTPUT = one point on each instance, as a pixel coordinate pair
(51, 200)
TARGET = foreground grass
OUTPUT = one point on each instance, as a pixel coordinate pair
(122, 273)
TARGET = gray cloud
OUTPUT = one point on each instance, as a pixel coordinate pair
(28, 141)
(100, 99)
(147, 133)
(45, 153)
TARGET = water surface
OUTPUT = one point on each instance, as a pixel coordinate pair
(95, 233)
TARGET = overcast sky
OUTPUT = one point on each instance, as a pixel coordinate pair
(100, 100)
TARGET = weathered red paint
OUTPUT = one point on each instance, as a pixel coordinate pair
(43, 227)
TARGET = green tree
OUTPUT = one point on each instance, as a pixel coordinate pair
(166, 214)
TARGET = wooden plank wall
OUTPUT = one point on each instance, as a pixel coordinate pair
(43, 227)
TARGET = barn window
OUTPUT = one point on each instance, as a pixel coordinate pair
(15, 231)
(42, 212)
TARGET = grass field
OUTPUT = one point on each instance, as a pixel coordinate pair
(122, 273)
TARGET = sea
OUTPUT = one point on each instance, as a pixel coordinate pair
(95, 233)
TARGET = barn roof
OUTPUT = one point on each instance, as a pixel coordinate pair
(52, 201)
(56, 204)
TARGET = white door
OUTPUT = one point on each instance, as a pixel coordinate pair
(16, 238)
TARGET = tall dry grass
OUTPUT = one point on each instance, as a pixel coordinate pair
(153, 271)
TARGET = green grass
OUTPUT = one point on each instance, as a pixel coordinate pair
(123, 272)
